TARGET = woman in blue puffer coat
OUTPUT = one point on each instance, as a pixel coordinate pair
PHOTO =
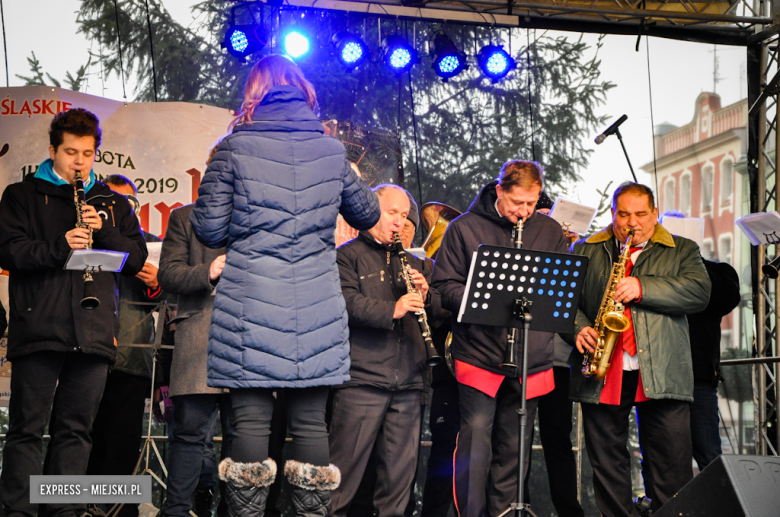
(272, 193)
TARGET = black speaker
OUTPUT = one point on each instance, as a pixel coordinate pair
(739, 486)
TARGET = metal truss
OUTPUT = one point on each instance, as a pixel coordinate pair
(728, 22)
(765, 190)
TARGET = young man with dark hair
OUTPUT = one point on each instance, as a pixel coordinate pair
(486, 457)
(650, 367)
(60, 352)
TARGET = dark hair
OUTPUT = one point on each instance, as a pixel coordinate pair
(521, 173)
(629, 187)
(118, 180)
(77, 121)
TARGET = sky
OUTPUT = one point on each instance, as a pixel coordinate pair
(678, 73)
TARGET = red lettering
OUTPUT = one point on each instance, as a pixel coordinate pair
(36, 106)
(195, 174)
(25, 108)
(6, 107)
(13, 108)
(66, 106)
(165, 214)
(47, 108)
(58, 106)
(144, 216)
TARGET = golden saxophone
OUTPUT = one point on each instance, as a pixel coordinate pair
(610, 320)
(433, 358)
(89, 301)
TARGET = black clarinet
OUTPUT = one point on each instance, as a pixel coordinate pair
(433, 358)
(89, 301)
(510, 352)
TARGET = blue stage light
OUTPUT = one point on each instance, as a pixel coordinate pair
(351, 51)
(296, 44)
(242, 40)
(449, 61)
(495, 62)
(399, 56)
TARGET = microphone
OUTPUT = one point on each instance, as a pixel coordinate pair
(610, 130)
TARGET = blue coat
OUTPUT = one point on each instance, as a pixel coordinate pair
(272, 193)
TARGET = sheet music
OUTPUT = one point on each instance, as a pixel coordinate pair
(468, 286)
(761, 228)
(107, 260)
(155, 248)
(578, 217)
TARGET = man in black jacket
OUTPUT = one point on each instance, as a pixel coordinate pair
(489, 396)
(380, 406)
(60, 353)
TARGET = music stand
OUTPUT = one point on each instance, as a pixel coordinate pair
(95, 261)
(502, 286)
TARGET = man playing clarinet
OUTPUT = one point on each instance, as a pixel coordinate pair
(486, 457)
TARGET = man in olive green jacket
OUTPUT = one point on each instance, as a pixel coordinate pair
(651, 364)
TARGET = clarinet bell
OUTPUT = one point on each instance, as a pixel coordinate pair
(89, 301)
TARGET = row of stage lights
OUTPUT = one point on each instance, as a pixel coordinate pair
(396, 53)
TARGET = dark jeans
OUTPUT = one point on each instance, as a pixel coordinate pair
(704, 424)
(116, 433)
(555, 433)
(189, 432)
(444, 424)
(665, 439)
(366, 419)
(486, 462)
(253, 409)
(68, 387)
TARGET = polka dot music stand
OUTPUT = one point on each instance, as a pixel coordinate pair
(503, 285)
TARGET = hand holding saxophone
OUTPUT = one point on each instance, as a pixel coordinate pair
(627, 290)
(586, 340)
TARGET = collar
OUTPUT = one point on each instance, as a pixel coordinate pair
(46, 172)
(660, 236)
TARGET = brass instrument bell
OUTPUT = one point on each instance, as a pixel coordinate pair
(435, 217)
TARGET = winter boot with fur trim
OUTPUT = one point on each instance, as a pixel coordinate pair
(311, 487)
(248, 485)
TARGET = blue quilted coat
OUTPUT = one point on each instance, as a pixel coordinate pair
(271, 194)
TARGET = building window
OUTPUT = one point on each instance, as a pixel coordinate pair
(725, 340)
(707, 250)
(706, 188)
(669, 194)
(724, 248)
(685, 194)
(726, 182)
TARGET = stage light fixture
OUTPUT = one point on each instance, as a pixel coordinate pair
(495, 62)
(448, 61)
(351, 51)
(296, 44)
(242, 40)
(399, 56)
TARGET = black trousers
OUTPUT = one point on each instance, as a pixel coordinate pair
(445, 424)
(68, 387)
(253, 410)
(367, 418)
(665, 439)
(555, 433)
(486, 465)
(116, 432)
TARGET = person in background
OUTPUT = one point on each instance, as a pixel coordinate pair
(704, 331)
(192, 271)
(650, 367)
(380, 407)
(555, 422)
(60, 352)
(116, 432)
(272, 194)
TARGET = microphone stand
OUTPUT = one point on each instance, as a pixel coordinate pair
(620, 137)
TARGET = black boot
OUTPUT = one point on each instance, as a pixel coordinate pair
(202, 501)
(247, 486)
(311, 487)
